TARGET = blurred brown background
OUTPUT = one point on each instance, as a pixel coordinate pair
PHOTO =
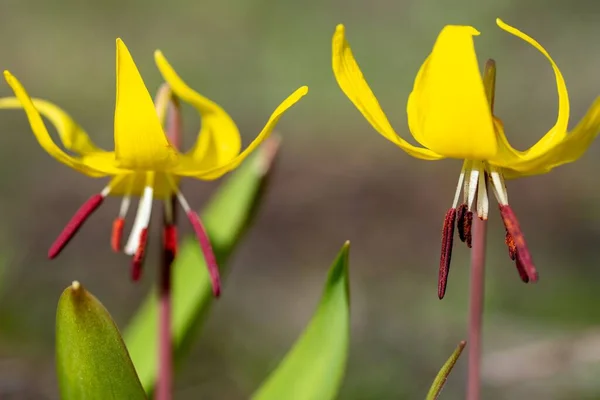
(337, 179)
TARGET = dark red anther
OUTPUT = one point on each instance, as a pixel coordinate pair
(467, 227)
(209, 255)
(117, 234)
(512, 248)
(521, 269)
(139, 256)
(446, 254)
(169, 243)
(75, 224)
(461, 212)
(522, 251)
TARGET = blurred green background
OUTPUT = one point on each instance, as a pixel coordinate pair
(337, 179)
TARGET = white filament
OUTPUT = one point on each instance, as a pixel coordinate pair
(142, 217)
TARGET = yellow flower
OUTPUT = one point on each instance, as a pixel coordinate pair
(144, 161)
(450, 114)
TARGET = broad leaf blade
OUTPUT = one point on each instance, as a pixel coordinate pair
(442, 376)
(91, 358)
(225, 219)
(314, 368)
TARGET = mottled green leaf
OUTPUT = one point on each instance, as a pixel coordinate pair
(314, 367)
(91, 359)
(225, 218)
(442, 376)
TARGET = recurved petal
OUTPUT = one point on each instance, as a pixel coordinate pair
(447, 110)
(90, 167)
(187, 165)
(219, 139)
(140, 142)
(73, 137)
(558, 132)
(573, 146)
(353, 84)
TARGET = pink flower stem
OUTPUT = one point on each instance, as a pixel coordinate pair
(476, 302)
(164, 384)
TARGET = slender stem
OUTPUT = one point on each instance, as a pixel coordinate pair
(164, 384)
(476, 300)
(165, 349)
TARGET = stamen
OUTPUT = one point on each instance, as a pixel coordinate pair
(142, 218)
(117, 234)
(521, 269)
(204, 241)
(139, 256)
(467, 227)
(459, 187)
(76, 223)
(473, 184)
(119, 222)
(446, 253)
(522, 252)
(498, 186)
(483, 203)
(461, 213)
(512, 248)
(209, 255)
(169, 243)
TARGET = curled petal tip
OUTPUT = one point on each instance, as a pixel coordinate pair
(158, 54)
(339, 29)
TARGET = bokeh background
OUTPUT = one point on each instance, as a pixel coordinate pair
(337, 179)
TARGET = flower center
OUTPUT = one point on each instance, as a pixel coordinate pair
(474, 180)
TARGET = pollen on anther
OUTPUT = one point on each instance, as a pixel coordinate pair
(117, 234)
(522, 251)
(446, 252)
(512, 248)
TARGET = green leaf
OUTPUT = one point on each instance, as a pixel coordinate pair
(91, 358)
(314, 368)
(442, 376)
(225, 219)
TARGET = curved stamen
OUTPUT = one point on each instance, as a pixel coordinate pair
(203, 240)
(76, 222)
(523, 257)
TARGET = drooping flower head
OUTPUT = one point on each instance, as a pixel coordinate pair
(450, 114)
(145, 162)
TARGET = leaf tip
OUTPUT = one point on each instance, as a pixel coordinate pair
(268, 154)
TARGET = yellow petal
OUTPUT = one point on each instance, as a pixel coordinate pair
(573, 146)
(447, 110)
(187, 165)
(140, 142)
(559, 130)
(73, 137)
(353, 84)
(219, 139)
(96, 165)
